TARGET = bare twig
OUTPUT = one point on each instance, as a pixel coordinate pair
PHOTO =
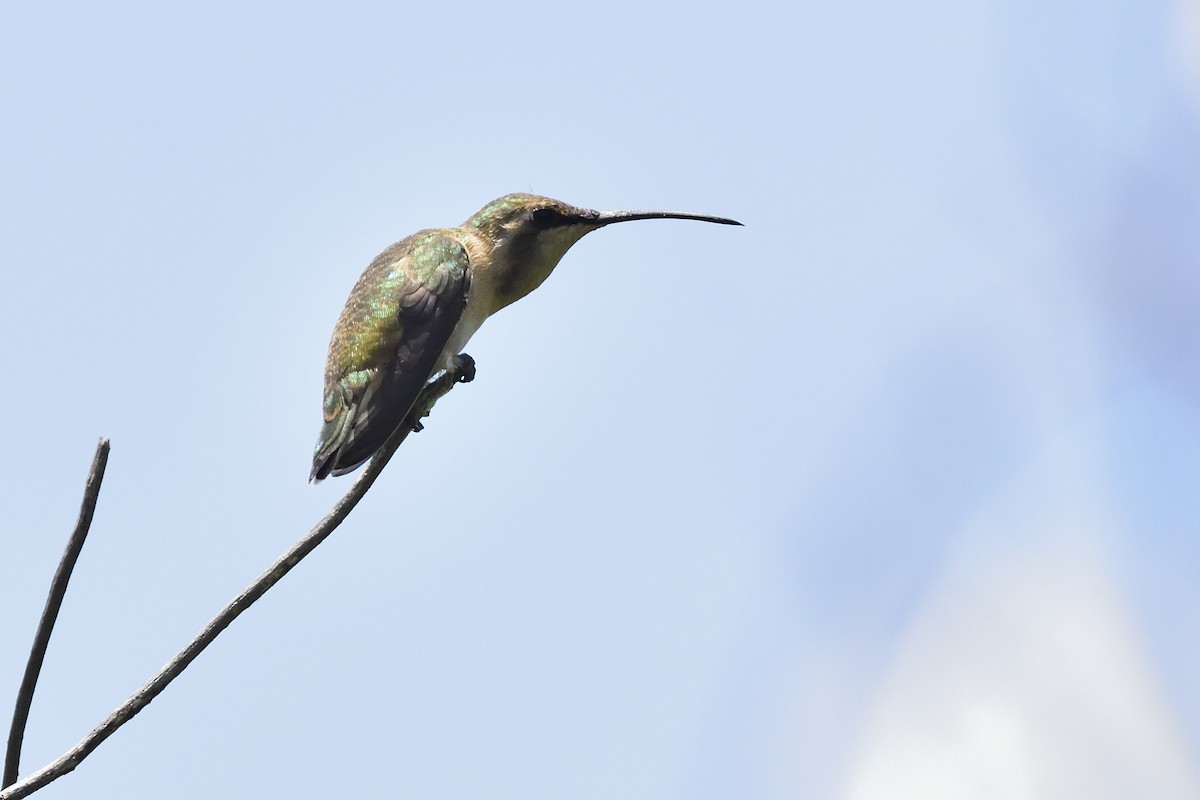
(58, 588)
(152, 688)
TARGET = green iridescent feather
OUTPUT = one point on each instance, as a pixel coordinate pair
(386, 344)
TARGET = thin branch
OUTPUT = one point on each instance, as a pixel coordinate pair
(58, 588)
(152, 688)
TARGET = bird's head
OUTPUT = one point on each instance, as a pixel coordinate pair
(529, 234)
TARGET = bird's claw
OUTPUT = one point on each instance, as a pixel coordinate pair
(464, 368)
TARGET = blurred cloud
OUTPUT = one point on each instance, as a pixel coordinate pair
(1022, 675)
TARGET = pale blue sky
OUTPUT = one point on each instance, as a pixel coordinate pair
(891, 493)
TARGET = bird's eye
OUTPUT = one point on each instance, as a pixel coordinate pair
(545, 217)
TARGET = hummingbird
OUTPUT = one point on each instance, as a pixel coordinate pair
(397, 345)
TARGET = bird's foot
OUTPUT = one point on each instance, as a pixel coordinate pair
(464, 368)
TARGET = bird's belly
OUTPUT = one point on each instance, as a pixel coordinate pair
(472, 317)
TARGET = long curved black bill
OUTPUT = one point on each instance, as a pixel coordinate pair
(609, 217)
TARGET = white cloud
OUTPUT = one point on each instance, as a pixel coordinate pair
(1022, 676)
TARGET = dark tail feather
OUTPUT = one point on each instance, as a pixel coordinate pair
(346, 442)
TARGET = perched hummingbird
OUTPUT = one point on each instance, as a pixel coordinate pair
(396, 346)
